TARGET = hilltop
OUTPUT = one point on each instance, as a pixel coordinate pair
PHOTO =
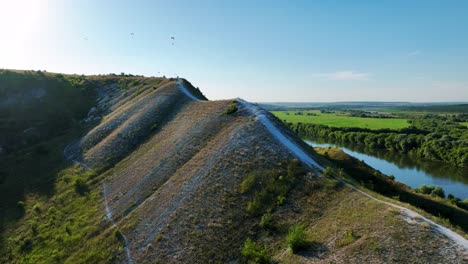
(147, 170)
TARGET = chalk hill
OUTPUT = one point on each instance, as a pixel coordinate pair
(162, 175)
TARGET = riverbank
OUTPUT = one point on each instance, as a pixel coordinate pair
(407, 169)
(446, 141)
(382, 184)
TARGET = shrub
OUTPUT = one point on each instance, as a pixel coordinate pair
(296, 238)
(259, 203)
(294, 168)
(463, 204)
(430, 190)
(81, 187)
(266, 221)
(273, 187)
(27, 245)
(280, 200)
(423, 189)
(232, 108)
(437, 191)
(348, 238)
(328, 172)
(253, 253)
(37, 208)
(341, 172)
(247, 183)
(21, 205)
(118, 234)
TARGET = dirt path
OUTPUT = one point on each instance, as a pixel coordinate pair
(186, 91)
(71, 153)
(305, 158)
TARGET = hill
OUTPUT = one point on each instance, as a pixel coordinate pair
(161, 175)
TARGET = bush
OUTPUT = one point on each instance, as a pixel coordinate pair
(439, 192)
(266, 221)
(348, 238)
(247, 183)
(118, 234)
(463, 204)
(280, 200)
(328, 172)
(273, 187)
(232, 108)
(37, 208)
(253, 253)
(435, 191)
(81, 187)
(296, 238)
(423, 189)
(26, 246)
(21, 205)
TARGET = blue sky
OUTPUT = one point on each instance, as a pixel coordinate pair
(258, 50)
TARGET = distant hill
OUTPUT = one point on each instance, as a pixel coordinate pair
(459, 107)
(128, 169)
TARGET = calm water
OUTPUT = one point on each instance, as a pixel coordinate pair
(409, 170)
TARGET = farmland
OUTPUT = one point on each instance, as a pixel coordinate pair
(340, 119)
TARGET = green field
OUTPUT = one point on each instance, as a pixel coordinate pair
(341, 120)
(464, 124)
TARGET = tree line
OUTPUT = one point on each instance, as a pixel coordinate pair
(430, 137)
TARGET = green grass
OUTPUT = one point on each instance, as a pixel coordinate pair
(66, 227)
(363, 175)
(50, 212)
(464, 124)
(254, 253)
(296, 238)
(341, 120)
(270, 187)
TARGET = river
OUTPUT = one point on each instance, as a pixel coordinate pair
(407, 169)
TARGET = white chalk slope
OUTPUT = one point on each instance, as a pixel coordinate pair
(262, 116)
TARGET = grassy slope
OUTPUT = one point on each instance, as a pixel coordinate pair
(336, 120)
(65, 227)
(369, 178)
(378, 233)
(37, 106)
(56, 224)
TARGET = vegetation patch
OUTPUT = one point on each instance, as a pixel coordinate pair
(348, 238)
(248, 183)
(296, 238)
(66, 227)
(435, 191)
(380, 183)
(254, 253)
(231, 108)
(270, 187)
(266, 221)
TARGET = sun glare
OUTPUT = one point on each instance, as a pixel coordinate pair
(20, 19)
